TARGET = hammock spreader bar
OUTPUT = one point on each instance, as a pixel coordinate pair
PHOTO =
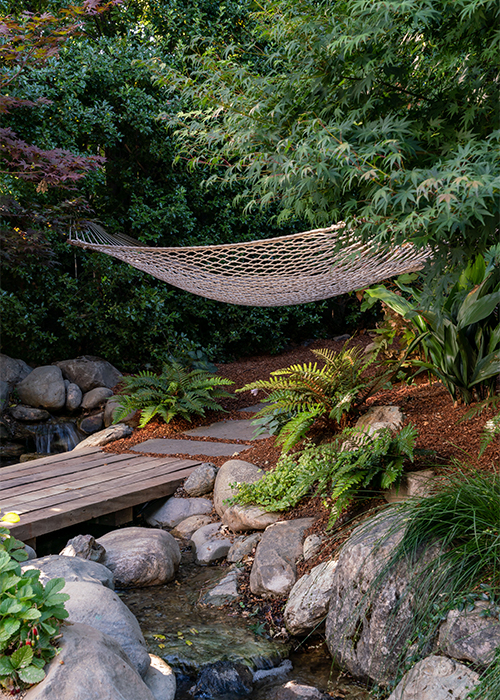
(283, 271)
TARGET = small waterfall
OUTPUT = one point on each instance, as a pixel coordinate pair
(52, 438)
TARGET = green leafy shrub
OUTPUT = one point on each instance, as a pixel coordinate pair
(460, 333)
(30, 616)
(177, 391)
(355, 462)
(308, 392)
(491, 428)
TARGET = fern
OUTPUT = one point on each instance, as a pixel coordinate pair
(177, 391)
(307, 392)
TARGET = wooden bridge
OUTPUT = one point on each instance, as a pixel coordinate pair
(61, 490)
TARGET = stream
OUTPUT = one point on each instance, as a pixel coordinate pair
(188, 637)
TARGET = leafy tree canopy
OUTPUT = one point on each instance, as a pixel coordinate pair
(382, 114)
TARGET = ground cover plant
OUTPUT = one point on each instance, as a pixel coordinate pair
(299, 395)
(30, 616)
(177, 391)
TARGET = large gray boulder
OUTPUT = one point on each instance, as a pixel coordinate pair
(70, 569)
(201, 480)
(233, 471)
(28, 414)
(244, 518)
(90, 665)
(185, 529)
(74, 396)
(90, 372)
(160, 679)
(138, 556)
(43, 388)
(13, 371)
(169, 513)
(95, 398)
(471, 635)
(210, 544)
(369, 619)
(436, 678)
(4, 394)
(309, 599)
(99, 607)
(274, 568)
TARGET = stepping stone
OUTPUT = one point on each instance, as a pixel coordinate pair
(228, 430)
(255, 408)
(164, 446)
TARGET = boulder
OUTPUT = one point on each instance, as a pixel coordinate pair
(13, 371)
(95, 397)
(223, 678)
(210, 544)
(169, 513)
(29, 414)
(294, 690)
(274, 571)
(436, 678)
(309, 599)
(274, 675)
(160, 679)
(201, 480)
(74, 396)
(4, 394)
(243, 546)
(243, 518)
(90, 372)
(102, 609)
(91, 424)
(70, 569)
(90, 665)
(11, 449)
(187, 527)
(103, 437)
(43, 388)
(224, 591)
(412, 484)
(138, 556)
(131, 418)
(470, 635)
(233, 471)
(30, 552)
(312, 546)
(85, 547)
(380, 417)
(368, 619)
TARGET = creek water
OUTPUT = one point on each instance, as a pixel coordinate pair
(55, 437)
(188, 637)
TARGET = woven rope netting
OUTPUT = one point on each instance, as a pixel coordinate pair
(281, 271)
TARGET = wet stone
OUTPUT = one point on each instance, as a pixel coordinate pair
(223, 678)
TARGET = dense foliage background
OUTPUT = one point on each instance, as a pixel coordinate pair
(101, 98)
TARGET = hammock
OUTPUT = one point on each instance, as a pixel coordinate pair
(293, 269)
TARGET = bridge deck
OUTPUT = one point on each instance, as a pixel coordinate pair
(69, 488)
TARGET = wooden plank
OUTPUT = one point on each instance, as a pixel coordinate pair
(92, 474)
(79, 489)
(43, 522)
(38, 464)
(73, 466)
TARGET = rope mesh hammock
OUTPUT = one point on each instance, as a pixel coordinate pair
(293, 269)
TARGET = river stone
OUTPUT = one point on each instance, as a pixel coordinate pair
(74, 396)
(470, 635)
(312, 546)
(224, 591)
(70, 569)
(363, 635)
(274, 571)
(103, 437)
(4, 395)
(13, 371)
(91, 424)
(243, 546)
(233, 471)
(201, 480)
(90, 665)
(309, 599)
(43, 388)
(84, 547)
(90, 372)
(30, 552)
(101, 608)
(272, 675)
(169, 513)
(11, 449)
(29, 414)
(210, 544)
(223, 678)
(160, 679)
(243, 518)
(112, 404)
(293, 690)
(380, 417)
(95, 397)
(139, 556)
(187, 527)
(436, 678)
